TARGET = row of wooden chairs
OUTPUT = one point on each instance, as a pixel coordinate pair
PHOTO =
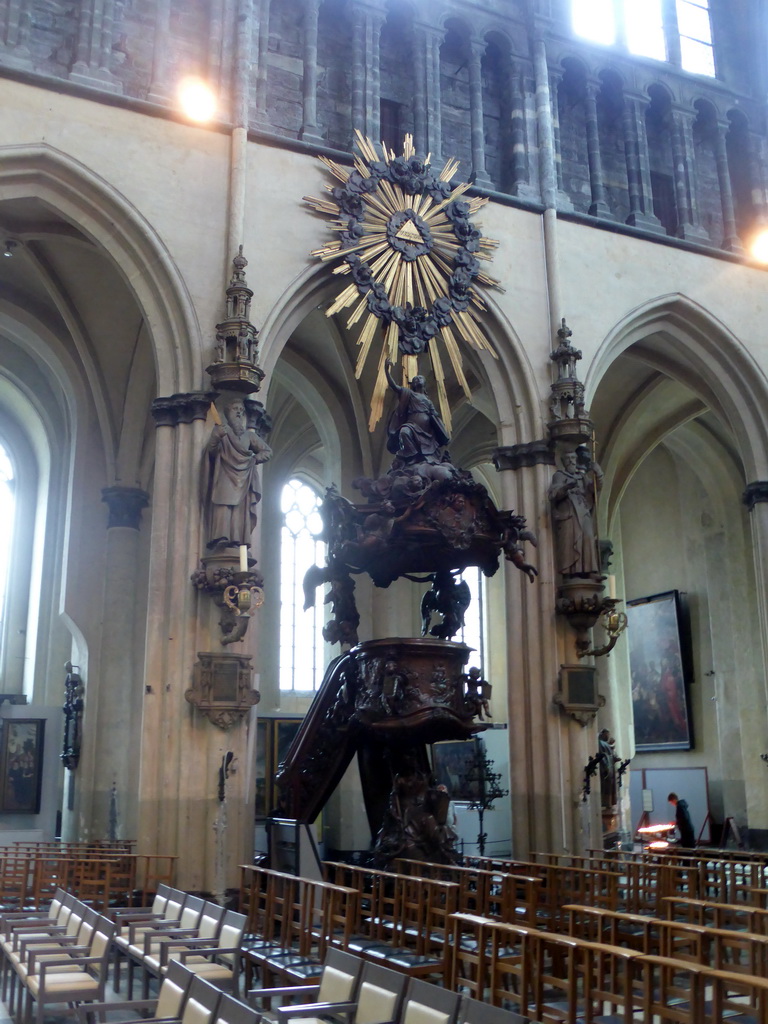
(61, 956)
(291, 922)
(726, 878)
(178, 926)
(402, 919)
(29, 878)
(370, 993)
(183, 998)
(564, 979)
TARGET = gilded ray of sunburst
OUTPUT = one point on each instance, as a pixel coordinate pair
(414, 258)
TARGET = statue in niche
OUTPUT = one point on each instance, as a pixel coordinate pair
(415, 432)
(573, 496)
(231, 478)
(608, 762)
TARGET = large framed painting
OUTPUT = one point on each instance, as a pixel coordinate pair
(451, 764)
(660, 666)
(21, 765)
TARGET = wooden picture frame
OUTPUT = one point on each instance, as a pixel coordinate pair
(660, 667)
(273, 738)
(21, 765)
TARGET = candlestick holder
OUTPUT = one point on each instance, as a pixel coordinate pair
(236, 592)
(242, 597)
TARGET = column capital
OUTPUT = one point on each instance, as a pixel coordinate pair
(125, 505)
(477, 46)
(519, 456)
(181, 408)
(754, 493)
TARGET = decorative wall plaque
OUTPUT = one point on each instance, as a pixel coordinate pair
(222, 688)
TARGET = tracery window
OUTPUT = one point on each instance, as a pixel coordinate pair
(639, 24)
(301, 632)
(473, 633)
(7, 518)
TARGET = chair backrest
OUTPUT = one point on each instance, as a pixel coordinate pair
(174, 906)
(232, 1011)
(76, 917)
(173, 991)
(210, 922)
(160, 901)
(103, 932)
(231, 933)
(473, 1011)
(201, 1003)
(380, 995)
(340, 975)
(191, 912)
(425, 1003)
(87, 926)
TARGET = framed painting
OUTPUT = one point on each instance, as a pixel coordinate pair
(273, 739)
(451, 763)
(660, 667)
(21, 765)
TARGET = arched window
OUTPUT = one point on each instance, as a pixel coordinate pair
(7, 516)
(473, 633)
(301, 632)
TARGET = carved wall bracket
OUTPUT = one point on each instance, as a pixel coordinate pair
(238, 594)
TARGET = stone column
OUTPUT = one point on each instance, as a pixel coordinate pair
(181, 752)
(434, 40)
(309, 129)
(547, 748)
(599, 207)
(731, 240)
(685, 177)
(93, 46)
(756, 500)
(367, 21)
(13, 36)
(671, 31)
(477, 128)
(158, 87)
(114, 721)
(420, 91)
(517, 131)
(641, 213)
(262, 59)
(555, 78)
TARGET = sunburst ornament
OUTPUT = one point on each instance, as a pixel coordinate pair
(413, 254)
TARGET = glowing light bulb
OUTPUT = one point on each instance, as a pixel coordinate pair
(759, 246)
(197, 100)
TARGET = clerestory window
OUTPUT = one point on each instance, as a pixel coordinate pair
(301, 632)
(473, 633)
(640, 26)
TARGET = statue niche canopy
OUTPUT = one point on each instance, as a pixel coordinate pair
(413, 254)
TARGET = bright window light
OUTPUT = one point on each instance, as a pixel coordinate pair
(301, 632)
(473, 633)
(645, 28)
(759, 246)
(593, 19)
(695, 27)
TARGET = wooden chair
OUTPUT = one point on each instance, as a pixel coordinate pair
(473, 1011)
(73, 979)
(218, 963)
(378, 1000)
(167, 1006)
(338, 984)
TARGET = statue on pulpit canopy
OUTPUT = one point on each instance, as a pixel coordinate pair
(230, 486)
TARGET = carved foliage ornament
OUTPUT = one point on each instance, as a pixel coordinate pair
(414, 257)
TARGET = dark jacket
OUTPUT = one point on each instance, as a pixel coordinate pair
(684, 824)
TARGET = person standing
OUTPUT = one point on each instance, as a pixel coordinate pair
(683, 821)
